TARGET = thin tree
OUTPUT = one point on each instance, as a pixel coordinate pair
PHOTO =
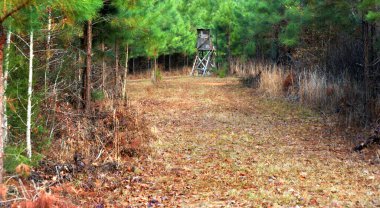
(117, 68)
(6, 71)
(30, 91)
(103, 48)
(3, 18)
(88, 67)
(48, 47)
(124, 92)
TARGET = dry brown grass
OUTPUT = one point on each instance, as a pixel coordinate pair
(271, 80)
(311, 88)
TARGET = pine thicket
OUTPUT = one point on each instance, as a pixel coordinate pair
(83, 48)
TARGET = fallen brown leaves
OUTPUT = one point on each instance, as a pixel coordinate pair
(23, 170)
(218, 144)
(242, 149)
(44, 200)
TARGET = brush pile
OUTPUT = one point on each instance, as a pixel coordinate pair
(92, 155)
(112, 134)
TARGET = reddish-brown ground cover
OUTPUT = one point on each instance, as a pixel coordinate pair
(219, 144)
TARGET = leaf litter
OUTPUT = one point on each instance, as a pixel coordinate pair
(206, 142)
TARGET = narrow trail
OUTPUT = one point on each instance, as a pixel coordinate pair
(221, 145)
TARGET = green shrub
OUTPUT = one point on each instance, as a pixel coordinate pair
(222, 72)
(97, 95)
(14, 155)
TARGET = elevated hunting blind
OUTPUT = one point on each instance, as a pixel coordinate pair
(205, 58)
(204, 42)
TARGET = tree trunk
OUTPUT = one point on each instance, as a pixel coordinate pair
(124, 94)
(176, 61)
(2, 97)
(4, 113)
(2, 42)
(133, 66)
(154, 78)
(155, 70)
(88, 67)
(30, 90)
(373, 43)
(183, 61)
(170, 62)
(366, 65)
(275, 45)
(187, 60)
(6, 69)
(116, 68)
(103, 48)
(164, 57)
(229, 56)
(215, 48)
(48, 51)
(80, 86)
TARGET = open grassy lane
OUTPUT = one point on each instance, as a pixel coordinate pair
(221, 145)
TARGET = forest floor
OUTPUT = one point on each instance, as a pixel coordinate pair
(211, 143)
(220, 144)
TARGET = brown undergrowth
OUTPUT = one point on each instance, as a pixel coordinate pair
(91, 155)
(113, 131)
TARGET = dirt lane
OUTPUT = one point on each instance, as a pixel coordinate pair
(221, 145)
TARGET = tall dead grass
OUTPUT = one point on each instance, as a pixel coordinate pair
(265, 77)
(311, 87)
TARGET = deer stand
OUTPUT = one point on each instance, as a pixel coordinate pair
(205, 58)
(203, 62)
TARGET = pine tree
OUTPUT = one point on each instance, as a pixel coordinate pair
(82, 12)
